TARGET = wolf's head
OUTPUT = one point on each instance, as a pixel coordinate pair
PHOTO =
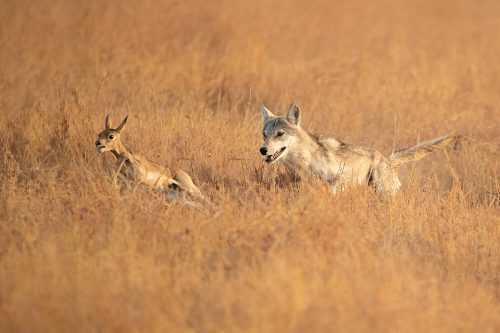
(280, 133)
(109, 138)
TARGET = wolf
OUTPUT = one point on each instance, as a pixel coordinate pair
(332, 161)
(176, 184)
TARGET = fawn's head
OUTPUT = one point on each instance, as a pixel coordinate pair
(109, 138)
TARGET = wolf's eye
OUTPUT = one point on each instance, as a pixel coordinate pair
(279, 134)
(264, 134)
(111, 137)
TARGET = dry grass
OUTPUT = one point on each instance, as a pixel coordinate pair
(275, 256)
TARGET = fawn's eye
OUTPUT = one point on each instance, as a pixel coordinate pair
(279, 134)
(111, 137)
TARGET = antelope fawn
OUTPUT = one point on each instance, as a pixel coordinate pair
(176, 184)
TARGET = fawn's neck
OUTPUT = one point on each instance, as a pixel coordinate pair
(121, 151)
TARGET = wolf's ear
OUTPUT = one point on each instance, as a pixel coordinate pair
(293, 114)
(122, 125)
(266, 114)
(106, 122)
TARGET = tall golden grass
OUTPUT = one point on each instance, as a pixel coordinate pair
(274, 256)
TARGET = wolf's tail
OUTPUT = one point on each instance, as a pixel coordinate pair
(422, 149)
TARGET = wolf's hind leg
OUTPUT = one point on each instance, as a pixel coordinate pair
(388, 185)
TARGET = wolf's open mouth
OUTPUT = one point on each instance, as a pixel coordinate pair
(272, 158)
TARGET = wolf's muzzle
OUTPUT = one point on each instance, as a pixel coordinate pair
(263, 150)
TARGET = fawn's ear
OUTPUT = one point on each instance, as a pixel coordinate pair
(266, 114)
(106, 122)
(293, 114)
(122, 125)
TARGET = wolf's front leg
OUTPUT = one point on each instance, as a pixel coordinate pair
(337, 186)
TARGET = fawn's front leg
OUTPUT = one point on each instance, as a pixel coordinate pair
(119, 166)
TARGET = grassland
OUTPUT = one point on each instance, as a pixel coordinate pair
(275, 256)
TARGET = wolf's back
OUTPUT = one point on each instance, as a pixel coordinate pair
(420, 150)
